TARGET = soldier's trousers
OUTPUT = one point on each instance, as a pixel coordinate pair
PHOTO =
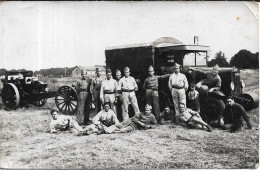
(152, 98)
(178, 96)
(97, 102)
(111, 99)
(129, 97)
(119, 108)
(81, 113)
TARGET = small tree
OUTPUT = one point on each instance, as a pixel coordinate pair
(220, 59)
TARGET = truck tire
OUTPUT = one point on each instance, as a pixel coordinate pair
(212, 109)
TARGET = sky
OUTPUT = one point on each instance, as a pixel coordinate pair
(40, 35)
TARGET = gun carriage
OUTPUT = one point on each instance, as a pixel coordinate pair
(20, 88)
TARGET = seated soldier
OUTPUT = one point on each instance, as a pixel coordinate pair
(212, 81)
(232, 116)
(192, 118)
(141, 121)
(63, 123)
(104, 122)
(167, 115)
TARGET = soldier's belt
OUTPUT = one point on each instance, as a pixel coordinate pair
(155, 89)
(128, 90)
(177, 87)
(109, 92)
(82, 90)
(119, 91)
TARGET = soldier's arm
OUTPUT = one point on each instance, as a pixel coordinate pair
(218, 84)
(245, 116)
(135, 85)
(144, 86)
(186, 84)
(170, 83)
(153, 120)
(102, 92)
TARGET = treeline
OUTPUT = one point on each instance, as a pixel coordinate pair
(244, 59)
(2, 71)
(55, 72)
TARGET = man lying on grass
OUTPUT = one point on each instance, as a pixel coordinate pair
(63, 123)
(192, 118)
(141, 121)
(104, 122)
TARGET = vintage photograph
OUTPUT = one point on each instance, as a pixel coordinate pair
(129, 85)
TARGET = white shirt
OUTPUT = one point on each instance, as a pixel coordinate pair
(107, 117)
(108, 85)
(178, 80)
(61, 122)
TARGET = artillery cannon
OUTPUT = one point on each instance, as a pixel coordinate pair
(21, 88)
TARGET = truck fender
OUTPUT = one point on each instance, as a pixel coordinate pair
(217, 93)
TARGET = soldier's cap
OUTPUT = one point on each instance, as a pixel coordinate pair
(176, 65)
(107, 103)
(118, 72)
(126, 69)
(108, 71)
(148, 107)
(150, 68)
(83, 72)
(216, 67)
(192, 85)
(54, 110)
(98, 69)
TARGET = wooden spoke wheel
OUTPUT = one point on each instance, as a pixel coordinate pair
(66, 100)
(10, 96)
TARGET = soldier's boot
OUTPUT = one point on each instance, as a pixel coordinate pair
(209, 128)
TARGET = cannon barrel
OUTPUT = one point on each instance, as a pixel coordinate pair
(253, 97)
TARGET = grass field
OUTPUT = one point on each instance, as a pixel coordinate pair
(27, 144)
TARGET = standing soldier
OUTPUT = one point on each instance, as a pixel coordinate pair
(108, 90)
(81, 88)
(95, 90)
(178, 84)
(118, 100)
(151, 92)
(128, 86)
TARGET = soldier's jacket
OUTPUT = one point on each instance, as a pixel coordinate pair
(96, 84)
(81, 85)
(212, 81)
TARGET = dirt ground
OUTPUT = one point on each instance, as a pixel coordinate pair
(27, 144)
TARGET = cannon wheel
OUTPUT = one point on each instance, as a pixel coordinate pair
(66, 100)
(10, 96)
(41, 102)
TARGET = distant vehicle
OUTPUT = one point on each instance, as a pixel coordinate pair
(162, 54)
(20, 88)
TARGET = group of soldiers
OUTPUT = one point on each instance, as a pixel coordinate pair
(111, 98)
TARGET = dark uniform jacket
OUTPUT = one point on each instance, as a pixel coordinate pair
(234, 114)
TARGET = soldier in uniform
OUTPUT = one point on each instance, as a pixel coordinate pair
(81, 88)
(128, 86)
(108, 90)
(118, 100)
(151, 91)
(178, 84)
(212, 81)
(95, 90)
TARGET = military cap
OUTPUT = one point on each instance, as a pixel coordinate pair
(118, 72)
(108, 71)
(176, 65)
(216, 67)
(83, 72)
(126, 69)
(54, 110)
(148, 107)
(98, 69)
(150, 68)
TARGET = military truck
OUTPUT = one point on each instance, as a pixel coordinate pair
(162, 54)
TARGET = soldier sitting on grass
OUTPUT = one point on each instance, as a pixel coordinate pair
(141, 121)
(63, 123)
(192, 118)
(104, 122)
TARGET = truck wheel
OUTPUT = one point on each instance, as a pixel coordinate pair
(212, 108)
